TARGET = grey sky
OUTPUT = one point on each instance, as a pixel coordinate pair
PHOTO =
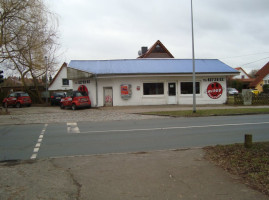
(116, 29)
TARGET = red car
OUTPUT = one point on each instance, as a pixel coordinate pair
(76, 100)
(17, 99)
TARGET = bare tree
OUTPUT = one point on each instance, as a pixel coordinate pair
(28, 34)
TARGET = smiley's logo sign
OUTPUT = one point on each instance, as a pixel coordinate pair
(214, 90)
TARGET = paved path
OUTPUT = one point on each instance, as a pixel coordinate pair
(179, 174)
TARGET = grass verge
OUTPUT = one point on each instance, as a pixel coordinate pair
(252, 165)
(210, 112)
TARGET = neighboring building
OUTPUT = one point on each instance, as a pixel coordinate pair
(262, 77)
(151, 81)
(158, 50)
(60, 81)
(242, 75)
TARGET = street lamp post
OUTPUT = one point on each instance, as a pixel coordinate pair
(46, 63)
(193, 65)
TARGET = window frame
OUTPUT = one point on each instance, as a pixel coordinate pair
(190, 94)
(153, 95)
(65, 79)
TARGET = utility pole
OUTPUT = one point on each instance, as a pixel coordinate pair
(193, 65)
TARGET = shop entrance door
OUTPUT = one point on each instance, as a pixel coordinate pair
(108, 96)
(172, 93)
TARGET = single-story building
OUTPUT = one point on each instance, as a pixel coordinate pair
(151, 81)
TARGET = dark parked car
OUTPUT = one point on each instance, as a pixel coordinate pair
(17, 99)
(56, 97)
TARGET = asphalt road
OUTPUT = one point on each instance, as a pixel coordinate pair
(84, 138)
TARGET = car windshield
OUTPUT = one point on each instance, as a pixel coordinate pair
(74, 94)
(24, 95)
(78, 94)
(59, 94)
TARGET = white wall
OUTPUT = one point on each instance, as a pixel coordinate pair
(242, 73)
(58, 83)
(138, 98)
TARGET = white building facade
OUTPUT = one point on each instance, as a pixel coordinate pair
(60, 81)
(153, 85)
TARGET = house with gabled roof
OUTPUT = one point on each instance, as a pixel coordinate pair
(243, 74)
(262, 77)
(60, 81)
(157, 50)
(243, 77)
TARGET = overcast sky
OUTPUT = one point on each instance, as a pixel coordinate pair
(234, 31)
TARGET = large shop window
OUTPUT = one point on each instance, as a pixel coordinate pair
(187, 87)
(153, 88)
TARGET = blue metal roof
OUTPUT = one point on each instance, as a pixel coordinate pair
(150, 66)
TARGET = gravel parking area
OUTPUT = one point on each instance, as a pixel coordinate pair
(53, 114)
(32, 115)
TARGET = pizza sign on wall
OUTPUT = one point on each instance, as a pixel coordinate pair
(214, 90)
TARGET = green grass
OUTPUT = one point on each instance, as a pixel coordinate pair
(211, 112)
(252, 164)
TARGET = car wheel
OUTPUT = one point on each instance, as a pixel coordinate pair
(18, 105)
(62, 106)
(29, 105)
(74, 107)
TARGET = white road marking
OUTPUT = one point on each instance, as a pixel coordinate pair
(33, 156)
(38, 144)
(72, 127)
(179, 127)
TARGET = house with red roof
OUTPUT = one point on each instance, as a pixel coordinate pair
(262, 78)
(158, 50)
(243, 74)
(243, 77)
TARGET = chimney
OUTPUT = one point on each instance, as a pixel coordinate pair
(144, 50)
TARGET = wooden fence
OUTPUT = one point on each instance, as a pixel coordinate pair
(261, 99)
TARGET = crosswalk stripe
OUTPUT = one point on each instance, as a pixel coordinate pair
(72, 127)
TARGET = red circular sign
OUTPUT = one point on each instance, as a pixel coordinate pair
(214, 90)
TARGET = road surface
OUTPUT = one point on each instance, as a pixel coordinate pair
(85, 138)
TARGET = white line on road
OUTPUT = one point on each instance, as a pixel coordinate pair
(72, 127)
(39, 141)
(179, 127)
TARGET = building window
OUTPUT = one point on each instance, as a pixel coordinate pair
(187, 87)
(153, 88)
(65, 81)
(243, 76)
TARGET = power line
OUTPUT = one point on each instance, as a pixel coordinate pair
(244, 55)
(254, 61)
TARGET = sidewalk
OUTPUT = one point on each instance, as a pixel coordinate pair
(160, 175)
